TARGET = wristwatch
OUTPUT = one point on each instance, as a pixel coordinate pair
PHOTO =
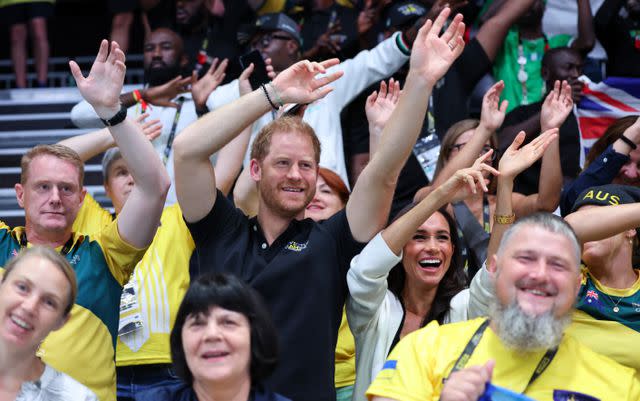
(117, 118)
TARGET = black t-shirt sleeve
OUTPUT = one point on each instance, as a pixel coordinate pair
(221, 220)
(472, 65)
(347, 246)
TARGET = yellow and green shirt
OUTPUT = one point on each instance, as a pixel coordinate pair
(597, 325)
(421, 361)
(345, 355)
(151, 298)
(84, 348)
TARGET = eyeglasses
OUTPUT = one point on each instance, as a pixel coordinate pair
(266, 39)
(458, 147)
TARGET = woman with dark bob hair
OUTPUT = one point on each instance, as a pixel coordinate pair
(223, 344)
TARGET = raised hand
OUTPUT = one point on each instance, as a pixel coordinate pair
(298, 83)
(467, 384)
(367, 17)
(381, 104)
(432, 54)
(515, 159)
(151, 129)
(557, 106)
(493, 112)
(163, 94)
(467, 181)
(203, 87)
(439, 5)
(102, 87)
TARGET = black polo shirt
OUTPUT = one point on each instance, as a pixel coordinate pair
(302, 278)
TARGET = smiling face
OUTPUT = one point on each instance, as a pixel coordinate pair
(427, 256)
(51, 195)
(279, 46)
(287, 175)
(31, 307)
(538, 270)
(217, 346)
(326, 202)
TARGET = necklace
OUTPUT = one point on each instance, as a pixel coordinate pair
(616, 309)
(522, 62)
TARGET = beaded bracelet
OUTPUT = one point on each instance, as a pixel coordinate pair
(264, 89)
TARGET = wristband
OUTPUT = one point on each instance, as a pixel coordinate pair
(117, 118)
(264, 89)
(504, 219)
(201, 111)
(137, 96)
(629, 142)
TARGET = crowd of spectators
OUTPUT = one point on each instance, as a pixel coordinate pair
(332, 200)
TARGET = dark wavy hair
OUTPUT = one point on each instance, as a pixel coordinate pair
(453, 281)
(228, 292)
(613, 132)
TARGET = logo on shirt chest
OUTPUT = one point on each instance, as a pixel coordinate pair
(296, 246)
(564, 395)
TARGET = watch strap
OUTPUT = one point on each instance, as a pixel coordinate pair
(117, 118)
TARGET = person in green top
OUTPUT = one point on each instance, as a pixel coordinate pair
(518, 62)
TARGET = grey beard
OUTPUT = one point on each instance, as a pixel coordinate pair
(527, 333)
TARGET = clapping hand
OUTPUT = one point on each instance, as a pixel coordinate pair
(515, 159)
(202, 88)
(162, 95)
(467, 181)
(102, 87)
(493, 112)
(432, 54)
(298, 83)
(557, 106)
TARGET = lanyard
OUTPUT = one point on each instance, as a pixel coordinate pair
(64, 251)
(473, 343)
(486, 217)
(172, 134)
(203, 58)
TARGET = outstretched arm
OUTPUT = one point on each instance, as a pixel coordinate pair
(461, 184)
(597, 223)
(514, 161)
(230, 157)
(195, 177)
(139, 218)
(586, 38)
(555, 109)
(432, 55)
(93, 143)
(491, 118)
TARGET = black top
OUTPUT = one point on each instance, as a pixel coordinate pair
(527, 182)
(302, 278)
(620, 37)
(184, 392)
(451, 93)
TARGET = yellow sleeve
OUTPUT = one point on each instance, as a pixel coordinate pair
(407, 374)
(92, 217)
(121, 257)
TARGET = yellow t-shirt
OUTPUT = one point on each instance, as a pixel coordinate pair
(84, 347)
(151, 298)
(421, 361)
(345, 355)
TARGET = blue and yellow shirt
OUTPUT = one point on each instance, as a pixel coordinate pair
(84, 348)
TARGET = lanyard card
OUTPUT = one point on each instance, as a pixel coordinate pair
(496, 393)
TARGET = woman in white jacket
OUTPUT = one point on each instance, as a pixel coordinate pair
(419, 247)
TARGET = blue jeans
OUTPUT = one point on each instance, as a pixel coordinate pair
(132, 380)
